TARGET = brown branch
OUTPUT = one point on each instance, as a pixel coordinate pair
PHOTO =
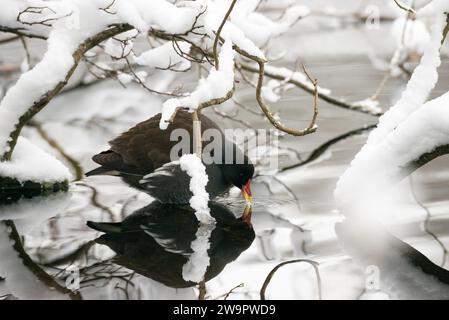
(316, 153)
(202, 290)
(403, 7)
(10, 39)
(40, 10)
(55, 145)
(272, 272)
(47, 97)
(22, 32)
(446, 29)
(322, 96)
(277, 124)
(217, 36)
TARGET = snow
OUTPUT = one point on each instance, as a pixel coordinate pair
(423, 80)
(212, 20)
(52, 69)
(402, 273)
(369, 105)
(217, 85)
(258, 27)
(165, 56)
(200, 199)
(416, 36)
(29, 213)
(32, 163)
(195, 268)
(408, 130)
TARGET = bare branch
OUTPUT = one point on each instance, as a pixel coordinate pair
(217, 36)
(46, 98)
(276, 123)
(272, 272)
(323, 96)
(404, 7)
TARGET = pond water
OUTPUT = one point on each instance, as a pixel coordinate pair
(294, 214)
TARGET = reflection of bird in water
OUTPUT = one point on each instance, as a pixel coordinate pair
(142, 158)
(155, 241)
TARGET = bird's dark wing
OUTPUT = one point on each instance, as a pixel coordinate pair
(147, 147)
(168, 184)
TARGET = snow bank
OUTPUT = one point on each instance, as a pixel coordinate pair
(32, 163)
(217, 85)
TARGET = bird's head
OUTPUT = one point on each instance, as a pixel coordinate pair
(240, 175)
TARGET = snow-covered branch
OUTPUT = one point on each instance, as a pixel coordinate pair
(409, 135)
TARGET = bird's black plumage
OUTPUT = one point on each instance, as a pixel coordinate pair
(141, 156)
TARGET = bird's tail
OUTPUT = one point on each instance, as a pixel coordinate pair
(102, 171)
(106, 227)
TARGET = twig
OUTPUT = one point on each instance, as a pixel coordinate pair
(140, 81)
(315, 154)
(197, 139)
(217, 36)
(10, 39)
(323, 96)
(27, 52)
(202, 290)
(22, 32)
(314, 264)
(277, 124)
(446, 29)
(94, 200)
(404, 7)
(40, 10)
(55, 145)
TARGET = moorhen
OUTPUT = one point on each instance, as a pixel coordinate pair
(141, 157)
(155, 241)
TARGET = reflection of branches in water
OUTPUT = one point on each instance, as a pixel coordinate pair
(102, 273)
(226, 295)
(94, 199)
(426, 222)
(315, 154)
(73, 256)
(44, 277)
(314, 264)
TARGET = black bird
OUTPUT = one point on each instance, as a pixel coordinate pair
(155, 241)
(141, 157)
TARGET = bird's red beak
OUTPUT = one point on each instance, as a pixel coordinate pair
(246, 191)
(246, 217)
